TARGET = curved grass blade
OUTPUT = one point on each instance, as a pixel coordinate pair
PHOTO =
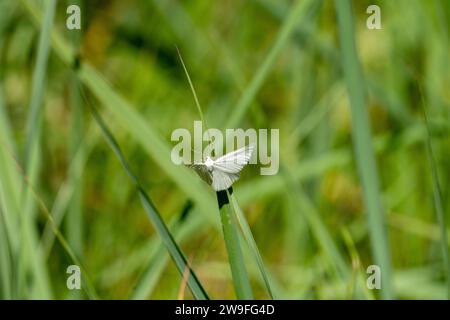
(9, 205)
(74, 220)
(236, 114)
(167, 238)
(438, 207)
(33, 126)
(185, 225)
(6, 291)
(6, 260)
(191, 86)
(318, 228)
(32, 156)
(179, 258)
(67, 190)
(157, 148)
(19, 172)
(358, 275)
(230, 233)
(264, 186)
(362, 141)
(246, 231)
(149, 279)
(90, 289)
(9, 184)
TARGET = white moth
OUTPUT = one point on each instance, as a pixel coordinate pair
(222, 172)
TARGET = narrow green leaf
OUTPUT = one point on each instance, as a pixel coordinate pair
(133, 122)
(229, 225)
(9, 206)
(155, 146)
(296, 14)
(88, 288)
(246, 231)
(359, 275)
(152, 274)
(32, 160)
(66, 192)
(167, 238)
(437, 198)
(6, 263)
(186, 225)
(362, 142)
(176, 253)
(37, 255)
(191, 85)
(318, 228)
(74, 220)
(9, 241)
(33, 126)
(10, 183)
(235, 257)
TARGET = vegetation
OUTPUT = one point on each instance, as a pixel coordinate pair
(86, 178)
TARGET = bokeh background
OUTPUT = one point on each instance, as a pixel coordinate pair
(310, 221)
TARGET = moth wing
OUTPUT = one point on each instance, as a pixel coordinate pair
(202, 172)
(222, 180)
(233, 162)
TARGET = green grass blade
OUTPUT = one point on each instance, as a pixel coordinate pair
(74, 220)
(261, 187)
(6, 260)
(191, 86)
(89, 289)
(32, 254)
(123, 267)
(6, 277)
(157, 148)
(5, 127)
(318, 228)
(32, 156)
(151, 275)
(362, 142)
(9, 183)
(298, 11)
(230, 233)
(179, 258)
(312, 167)
(438, 207)
(67, 191)
(229, 226)
(167, 238)
(184, 227)
(248, 236)
(316, 114)
(10, 204)
(37, 255)
(33, 126)
(359, 276)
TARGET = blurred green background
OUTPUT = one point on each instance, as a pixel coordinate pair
(310, 221)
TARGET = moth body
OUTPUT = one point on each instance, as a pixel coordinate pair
(222, 172)
(209, 163)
